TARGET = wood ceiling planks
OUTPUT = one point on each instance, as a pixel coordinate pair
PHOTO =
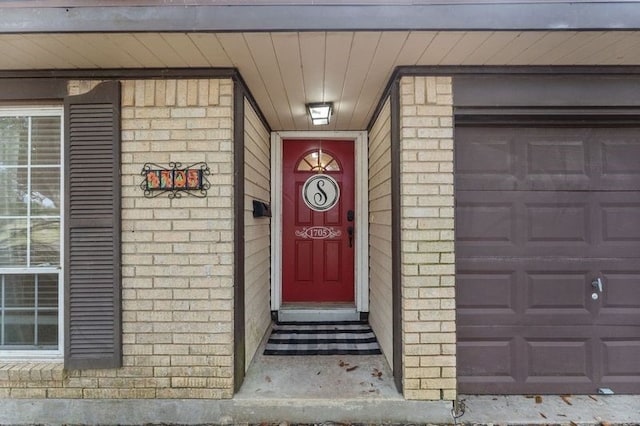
(382, 65)
(264, 56)
(339, 45)
(359, 62)
(287, 51)
(136, 49)
(287, 70)
(235, 46)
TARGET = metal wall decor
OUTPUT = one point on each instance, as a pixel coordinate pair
(175, 180)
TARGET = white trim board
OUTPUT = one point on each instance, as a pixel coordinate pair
(361, 261)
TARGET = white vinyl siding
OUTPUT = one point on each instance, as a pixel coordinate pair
(381, 316)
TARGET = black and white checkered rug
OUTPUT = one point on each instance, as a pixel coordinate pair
(322, 338)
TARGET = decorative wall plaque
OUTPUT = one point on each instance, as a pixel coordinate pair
(320, 192)
(175, 180)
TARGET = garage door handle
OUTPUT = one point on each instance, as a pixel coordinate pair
(597, 284)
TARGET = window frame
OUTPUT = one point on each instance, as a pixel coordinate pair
(56, 355)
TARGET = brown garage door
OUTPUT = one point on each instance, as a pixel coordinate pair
(541, 213)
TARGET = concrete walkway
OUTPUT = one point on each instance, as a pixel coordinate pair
(325, 390)
(496, 410)
(551, 409)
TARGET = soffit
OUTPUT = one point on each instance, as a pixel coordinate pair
(286, 70)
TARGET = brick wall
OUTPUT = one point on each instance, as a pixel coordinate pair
(257, 158)
(177, 256)
(428, 270)
(380, 253)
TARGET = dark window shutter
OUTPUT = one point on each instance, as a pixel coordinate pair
(92, 229)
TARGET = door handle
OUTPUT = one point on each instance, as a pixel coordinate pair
(597, 284)
(350, 232)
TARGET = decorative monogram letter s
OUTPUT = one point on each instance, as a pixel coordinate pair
(320, 192)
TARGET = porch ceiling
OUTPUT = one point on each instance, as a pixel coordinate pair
(285, 70)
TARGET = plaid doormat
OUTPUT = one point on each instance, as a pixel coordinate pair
(322, 338)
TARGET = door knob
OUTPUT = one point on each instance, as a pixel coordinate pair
(350, 215)
(597, 284)
(350, 232)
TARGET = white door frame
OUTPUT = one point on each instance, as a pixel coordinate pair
(361, 261)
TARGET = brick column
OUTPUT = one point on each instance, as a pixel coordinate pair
(428, 262)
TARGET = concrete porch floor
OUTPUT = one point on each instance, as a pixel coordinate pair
(330, 388)
(319, 377)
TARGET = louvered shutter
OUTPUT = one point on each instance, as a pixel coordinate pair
(92, 229)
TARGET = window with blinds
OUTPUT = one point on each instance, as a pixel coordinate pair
(31, 231)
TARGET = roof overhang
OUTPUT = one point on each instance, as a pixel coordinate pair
(313, 15)
(295, 52)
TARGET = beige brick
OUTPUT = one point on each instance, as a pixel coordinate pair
(425, 395)
(192, 92)
(149, 93)
(430, 338)
(427, 200)
(422, 326)
(419, 373)
(182, 93)
(419, 304)
(160, 94)
(139, 93)
(449, 372)
(214, 92)
(422, 349)
(170, 93)
(128, 94)
(434, 111)
(36, 393)
(437, 361)
(64, 393)
(190, 112)
(449, 394)
(442, 383)
(432, 93)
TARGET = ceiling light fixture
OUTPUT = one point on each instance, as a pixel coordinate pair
(320, 112)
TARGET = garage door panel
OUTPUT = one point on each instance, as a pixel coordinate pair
(539, 223)
(486, 155)
(621, 358)
(523, 158)
(559, 358)
(524, 224)
(485, 222)
(547, 158)
(490, 359)
(621, 289)
(524, 292)
(547, 291)
(575, 360)
(621, 220)
(485, 290)
(564, 158)
(620, 304)
(566, 291)
(620, 151)
(552, 222)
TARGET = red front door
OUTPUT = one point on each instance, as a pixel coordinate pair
(318, 239)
